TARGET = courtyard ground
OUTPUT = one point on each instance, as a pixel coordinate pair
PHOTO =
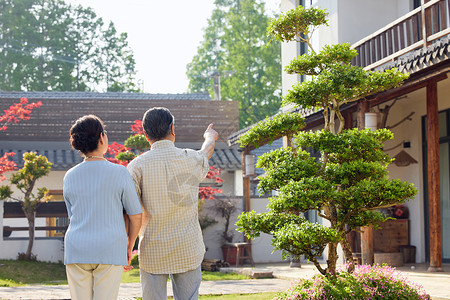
(436, 284)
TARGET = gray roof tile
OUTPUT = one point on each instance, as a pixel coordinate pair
(108, 95)
(64, 159)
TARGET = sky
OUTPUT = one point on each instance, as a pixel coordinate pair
(164, 36)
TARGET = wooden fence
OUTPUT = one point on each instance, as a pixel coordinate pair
(417, 29)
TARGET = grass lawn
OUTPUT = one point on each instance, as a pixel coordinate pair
(17, 273)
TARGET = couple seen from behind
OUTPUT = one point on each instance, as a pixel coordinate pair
(155, 197)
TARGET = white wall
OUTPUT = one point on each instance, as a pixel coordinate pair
(360, 18)
(54, 181)
(288, 52)
(262, 247)
(212, 235)
(412, 131)
(46, 249)
(349, 21)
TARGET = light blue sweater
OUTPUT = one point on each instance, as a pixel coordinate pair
(96, 193)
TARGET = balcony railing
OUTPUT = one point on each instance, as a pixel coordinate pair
(419, 28)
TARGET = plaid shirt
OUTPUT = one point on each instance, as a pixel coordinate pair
(167, 180)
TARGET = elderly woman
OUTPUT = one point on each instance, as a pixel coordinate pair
(97, 244)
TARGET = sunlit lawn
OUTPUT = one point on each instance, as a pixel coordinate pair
(17, 273)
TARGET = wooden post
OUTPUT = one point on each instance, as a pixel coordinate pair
(362, 108)
(246, 182)
(246, 188)
(367, 232)
(434, 197)
(348, 119)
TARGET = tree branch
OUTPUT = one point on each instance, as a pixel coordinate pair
(318, 266)
(408, 117)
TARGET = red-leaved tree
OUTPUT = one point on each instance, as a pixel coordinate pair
(14, 114)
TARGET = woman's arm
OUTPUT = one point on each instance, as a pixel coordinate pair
(133, 231)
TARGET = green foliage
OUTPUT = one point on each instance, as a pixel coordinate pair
(283, 165)
(35, 167)
(138, 142)
(350, 180)
(267, 130)
(314, 64)
(343, 83)
(235, 43)
(125, 156)
(54, 45)
(308, 239)
(294, 23)
(350, 145)
(367, 282)
(252, 224)
(5, 192)
(135, 260)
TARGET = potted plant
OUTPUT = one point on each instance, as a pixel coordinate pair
(225, 208)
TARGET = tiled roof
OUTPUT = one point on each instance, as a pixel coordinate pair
(422, 58)
(65, 158)
(108, 95)
(233, 138)
(227, 159)
(51, 122)
(277, 144)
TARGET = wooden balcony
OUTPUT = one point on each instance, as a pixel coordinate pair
(415, 30)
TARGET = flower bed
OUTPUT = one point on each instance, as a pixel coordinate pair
(367, 282)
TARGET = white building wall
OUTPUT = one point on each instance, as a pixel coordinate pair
(54, 181)
(288, 51)
(238, 183)
(262, 247)
(349, 21)
(358, 19)
(412, 131)
(51, 250)
(228, 187)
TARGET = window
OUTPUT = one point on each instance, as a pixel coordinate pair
(57, 195)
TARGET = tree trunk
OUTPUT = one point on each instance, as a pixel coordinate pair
(31, 216)
(348, 254)
(332, 258)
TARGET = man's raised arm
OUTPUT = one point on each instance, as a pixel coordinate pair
(210, 137)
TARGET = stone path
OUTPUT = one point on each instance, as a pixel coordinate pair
(132, 290)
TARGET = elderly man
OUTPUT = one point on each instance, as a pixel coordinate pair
(167, 180)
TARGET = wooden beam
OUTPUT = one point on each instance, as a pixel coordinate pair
(406, 88)
(367, 232)
(44, 210)
(434, 198)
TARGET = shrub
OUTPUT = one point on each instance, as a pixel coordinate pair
(135, 260)
(367, 282)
